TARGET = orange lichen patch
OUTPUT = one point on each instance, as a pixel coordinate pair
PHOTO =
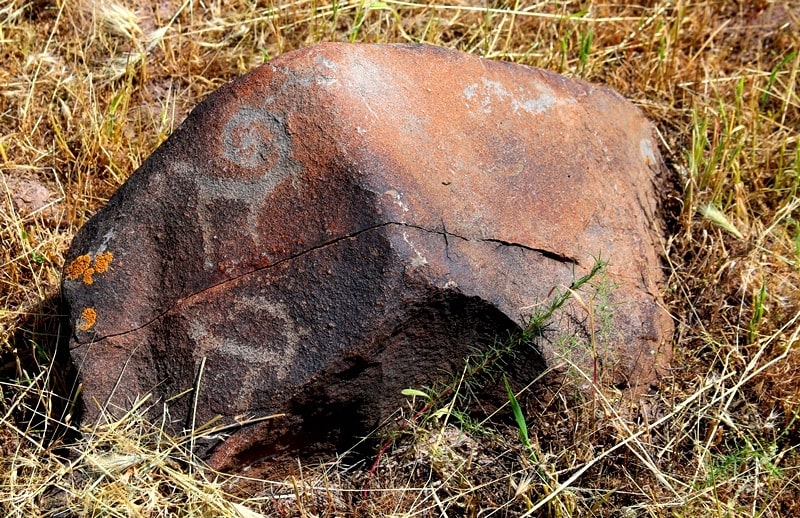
(88, 318)
(82, 266)
(87, 276)
(78, 266)
(103, 261)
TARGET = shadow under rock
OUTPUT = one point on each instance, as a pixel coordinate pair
(37, 368)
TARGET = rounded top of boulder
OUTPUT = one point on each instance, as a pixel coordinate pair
(434, 138)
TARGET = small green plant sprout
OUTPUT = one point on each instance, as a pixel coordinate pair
(773, 76)
(719, 218)
(758, 314)
(589, 309)
(518, 416)
(415, 393)
(585, 49)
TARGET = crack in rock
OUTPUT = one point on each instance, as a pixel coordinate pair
(549, 254)
(555, 256)
(561, 258)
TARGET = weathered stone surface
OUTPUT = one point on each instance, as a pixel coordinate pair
(28, 195)
(347, 221)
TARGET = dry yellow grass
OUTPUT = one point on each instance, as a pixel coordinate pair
(88, 89)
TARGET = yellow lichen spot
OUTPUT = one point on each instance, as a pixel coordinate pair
(102, 261)
(88, 318)
(87, 276)
(78, 266)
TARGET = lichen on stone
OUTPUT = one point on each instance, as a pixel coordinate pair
(78, 266)
(87, 276)
(88, 319)
(102, 261)
(82, 266)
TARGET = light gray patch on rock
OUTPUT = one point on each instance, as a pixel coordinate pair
(535, 105)
(107, 237)
(533, 97)
(469, 91)
(646, 149)
(326, 76)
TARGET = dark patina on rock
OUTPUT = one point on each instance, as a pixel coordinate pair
(350, 220)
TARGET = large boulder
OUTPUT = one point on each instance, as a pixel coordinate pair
(350, 220)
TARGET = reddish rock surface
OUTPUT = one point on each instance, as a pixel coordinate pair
(348, 221)
(29, 196)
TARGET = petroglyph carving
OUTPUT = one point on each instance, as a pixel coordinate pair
(254, 140)
(272, 356)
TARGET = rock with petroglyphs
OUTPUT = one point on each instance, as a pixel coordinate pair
(347, 221)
